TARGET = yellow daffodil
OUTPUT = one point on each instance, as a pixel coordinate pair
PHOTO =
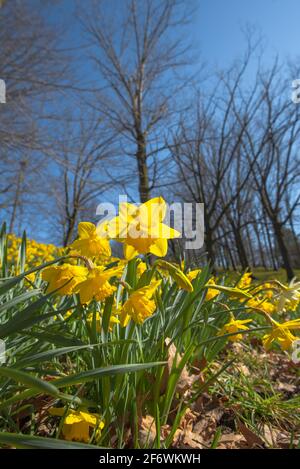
(77, 424)
(192, 274)
(36, 253)
(141, 230)
(281, 333)
(64, 277)
(234, 325)
(141, 267)
(89, 243)
(112, 321)
(140, 304)
(267, 290)
(292, 305)
(232, 292)
(245, 281)
(177, 275)
(288, 294)
(211, 293)
(261, 303)
(97, 285)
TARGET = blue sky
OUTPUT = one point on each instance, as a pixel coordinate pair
(216, 29)
(215, 32)
(218, 23)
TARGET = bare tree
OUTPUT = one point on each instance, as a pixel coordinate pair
(236, 152)
(138, 50)
(207, 150)
(271, 149)
(83, 154)
(33, 68)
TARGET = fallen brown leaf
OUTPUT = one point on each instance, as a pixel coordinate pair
(251, 438)
(147, 431)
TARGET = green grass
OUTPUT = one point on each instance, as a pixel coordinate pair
(280, 274)
(260, 274)
(251, 388)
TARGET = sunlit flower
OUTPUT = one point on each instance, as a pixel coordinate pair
(141, 228)
(30, 278)
(281, 333)
(141, 267)
(211, 293)
(97, 285)
(234, 325)
(232, 292)
(140, 304)
(98, 320)
(36, 253)
(292, 305)
(263, 304)
(290, 294)
(192, 274)
(267, 290)
(176, 274)
(245, 280)
(89, 243)
(77, 424)
(64, 277)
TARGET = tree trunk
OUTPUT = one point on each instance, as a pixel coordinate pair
(268, 243)
(223, 259)
(70, 229)
(141, 158)
(260, 245)
(209, 246)
(283, 250)
(295, 237)
(240, 247)
(250, 247)
(231, 255)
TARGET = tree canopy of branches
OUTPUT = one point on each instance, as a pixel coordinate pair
(82, 153)
(138, 53)
(239, 156)
(32, 67)
(142, 123)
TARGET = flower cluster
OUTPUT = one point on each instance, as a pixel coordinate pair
(141, 231)
(119, 328)
(99, 283)
(36, 253)
(93, 279)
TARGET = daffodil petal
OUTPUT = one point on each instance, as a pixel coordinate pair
(86, 291)
(127, 209)
(159, 247)
(151, 213)
(86, 229)
(130, 252)
(167, 232)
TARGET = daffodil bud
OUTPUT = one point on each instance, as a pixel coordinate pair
(177, 275)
